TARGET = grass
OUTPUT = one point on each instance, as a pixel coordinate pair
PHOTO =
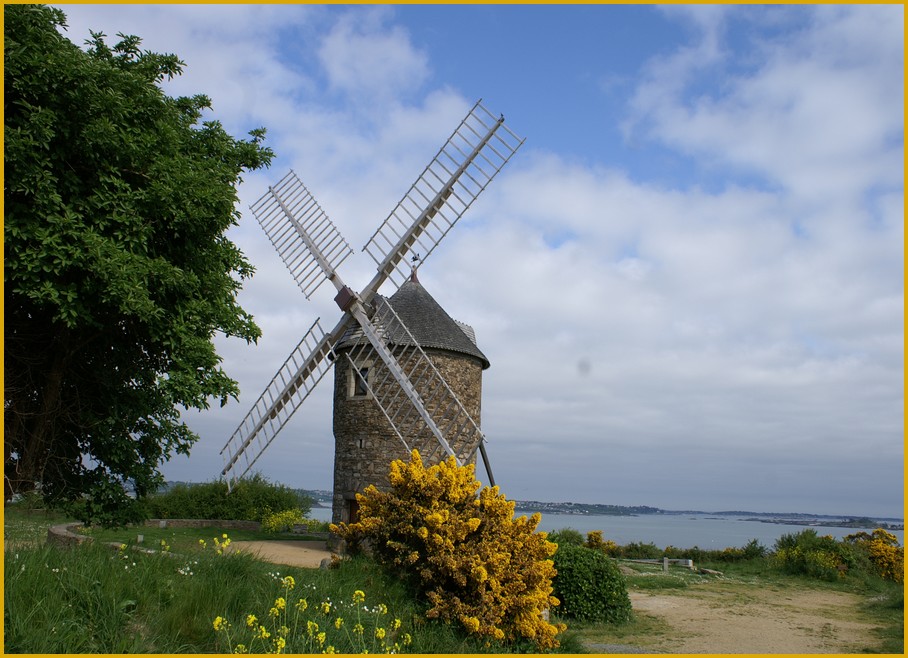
(182, 539)
(91, 599)
(28, 527)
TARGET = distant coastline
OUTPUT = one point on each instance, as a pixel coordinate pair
(322, 499)
(785, 518)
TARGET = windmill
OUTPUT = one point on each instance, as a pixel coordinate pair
(407, 386)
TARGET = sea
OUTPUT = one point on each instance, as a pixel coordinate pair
(679, 530)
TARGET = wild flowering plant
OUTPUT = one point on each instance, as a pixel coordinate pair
(809, 554)
(293, 624)
(281, 521)
(474, 562)
(595, 541)
(884, 552)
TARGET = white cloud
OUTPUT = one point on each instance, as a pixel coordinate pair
(367, 60)
(643, 337)
(820, 115)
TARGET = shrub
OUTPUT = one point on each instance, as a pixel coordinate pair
(883, 552)
(806, 553)
(281, 521)
(641, 551)
(566, 536)
(608, 547)
(250, 499)
(590, 586)
(468, 556)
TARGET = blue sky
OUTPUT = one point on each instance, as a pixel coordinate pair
(689, 280)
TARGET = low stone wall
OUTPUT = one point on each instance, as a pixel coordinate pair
(202, 523)
(63, 535)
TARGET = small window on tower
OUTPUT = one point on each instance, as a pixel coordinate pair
(360, 379)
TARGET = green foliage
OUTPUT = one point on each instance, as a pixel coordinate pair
(753, 550)
(250, 500)
(595, 541)
(284, 521)
(90, 599)
(657, 581)
(117, 270)
(476, 565)
(883, 553)
(806, 553)
(590, 586)
(640, 551)
(566, 536)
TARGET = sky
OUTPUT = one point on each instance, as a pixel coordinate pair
(688, 280)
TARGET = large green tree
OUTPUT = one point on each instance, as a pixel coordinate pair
(118, 272)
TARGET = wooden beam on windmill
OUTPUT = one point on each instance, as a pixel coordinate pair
(313, 249)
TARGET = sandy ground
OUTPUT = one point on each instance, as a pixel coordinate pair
(723, 617)
(294, 553)
(745, 618)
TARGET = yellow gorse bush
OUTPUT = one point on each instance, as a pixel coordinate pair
(476, 564)
(887, 557)
(281, 521)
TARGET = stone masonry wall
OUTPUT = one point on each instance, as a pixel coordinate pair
(365, 443)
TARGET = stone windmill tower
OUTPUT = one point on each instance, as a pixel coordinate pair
(365, 439)
(407, 375)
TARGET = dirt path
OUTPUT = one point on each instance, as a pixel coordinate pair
(294, 553)
(746, 618)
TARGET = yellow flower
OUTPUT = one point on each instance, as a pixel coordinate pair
(203, 545)
(274, 612)
(224, 535)
(326, 607)
(311, 628)
(359, 596)
(283, 631)
(382, 609)
(471, 624)
(395, 624)
(358, 629)
(279, 643)
(240, 648)
(263, 633)
(280, 603)
(321, 637)
(251, 621)
(302, 604)
(330, 649)
(338, 623)
(289, 583)
(220, 624)
(407, 639)
(380, 633)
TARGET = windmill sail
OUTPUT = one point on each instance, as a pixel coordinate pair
(413, 395)
(291, 385)
(307, 241)
(476, 151)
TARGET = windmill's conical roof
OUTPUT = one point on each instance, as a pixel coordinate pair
(428, 322)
